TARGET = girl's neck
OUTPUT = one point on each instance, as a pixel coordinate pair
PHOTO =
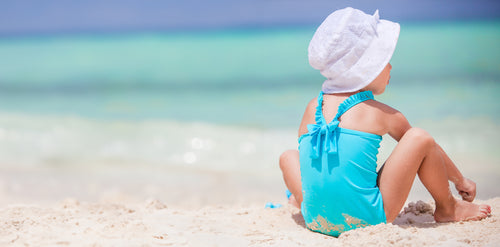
(345, 94)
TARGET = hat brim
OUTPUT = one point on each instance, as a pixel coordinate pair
(371, 63)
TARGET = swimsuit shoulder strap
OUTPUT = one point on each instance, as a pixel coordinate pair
(319, 110)
(352, 101)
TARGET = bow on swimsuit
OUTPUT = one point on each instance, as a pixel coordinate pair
(338, 170)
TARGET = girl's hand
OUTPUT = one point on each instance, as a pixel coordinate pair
(467, 189)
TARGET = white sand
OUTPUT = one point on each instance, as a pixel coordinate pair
(152, 223)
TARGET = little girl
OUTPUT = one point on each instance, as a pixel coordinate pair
(333, 176)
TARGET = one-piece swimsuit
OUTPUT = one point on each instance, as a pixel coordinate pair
(338, 171)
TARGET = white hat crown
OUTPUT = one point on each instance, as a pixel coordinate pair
(347, 44)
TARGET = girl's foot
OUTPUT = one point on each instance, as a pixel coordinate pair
(462, 211)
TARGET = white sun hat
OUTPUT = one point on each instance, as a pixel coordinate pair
(351, 48)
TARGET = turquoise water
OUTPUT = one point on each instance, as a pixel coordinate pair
(228, 100)
(193, 76)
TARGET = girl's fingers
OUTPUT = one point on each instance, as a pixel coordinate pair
(466, 196)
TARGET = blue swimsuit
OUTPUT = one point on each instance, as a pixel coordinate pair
(338, 170)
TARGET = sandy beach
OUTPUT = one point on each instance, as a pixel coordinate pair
(152, 223)
(127, 206)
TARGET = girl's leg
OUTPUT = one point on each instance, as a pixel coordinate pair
(290, 166)
(417, 153)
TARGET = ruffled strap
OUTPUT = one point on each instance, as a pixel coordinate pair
(319, 110)
(324, 136)
(352, 101)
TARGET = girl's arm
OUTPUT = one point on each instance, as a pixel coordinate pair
(397, 124)
(465, 187)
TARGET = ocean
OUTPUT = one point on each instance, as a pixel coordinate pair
(141, 107)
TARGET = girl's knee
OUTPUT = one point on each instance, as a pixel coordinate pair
(419, 136)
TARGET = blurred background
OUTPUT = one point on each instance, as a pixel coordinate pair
(192, 102)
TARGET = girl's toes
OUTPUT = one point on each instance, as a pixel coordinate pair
(485, 209)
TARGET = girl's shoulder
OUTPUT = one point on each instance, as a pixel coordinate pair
(373, 117)
(313, 103)
(385, 112)
(384, 108)
(393, 121)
